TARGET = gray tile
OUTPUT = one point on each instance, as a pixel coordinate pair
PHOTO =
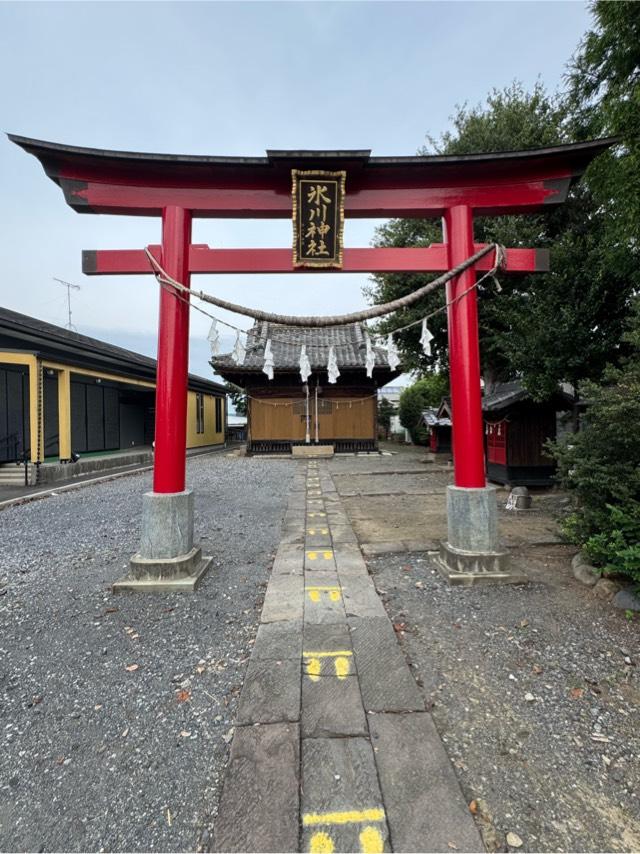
(279, 640)
(339, 776)
(425, 807)
(386, 682)
(332, 707)
(360, 597)
(326, 638)
(349, 559)
(284, 599)
(270, 692)
(259, 807)
(323, 606)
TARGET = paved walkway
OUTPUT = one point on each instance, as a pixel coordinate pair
(333, 749)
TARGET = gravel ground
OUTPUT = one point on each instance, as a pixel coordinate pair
(116, 710)
(535, 692)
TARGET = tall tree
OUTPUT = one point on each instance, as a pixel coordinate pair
(561, 326)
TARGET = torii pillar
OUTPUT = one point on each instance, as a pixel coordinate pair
(178, 188)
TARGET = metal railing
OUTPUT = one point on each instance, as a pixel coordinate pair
(12, 451)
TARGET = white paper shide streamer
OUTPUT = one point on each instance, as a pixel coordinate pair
(305, 365)
(392, 353)
(370, 361)
(268, 366)
(239, 350)
(214, 338)
(426, 338)
(332, 366)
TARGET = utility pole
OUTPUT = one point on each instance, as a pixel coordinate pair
(68, 286)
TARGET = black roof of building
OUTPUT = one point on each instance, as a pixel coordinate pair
(23, 333)
(286, 342)
(506, 394)
(430, 418)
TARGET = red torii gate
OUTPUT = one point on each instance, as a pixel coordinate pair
(178, 188)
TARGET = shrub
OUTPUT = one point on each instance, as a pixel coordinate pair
(426, 392)
(601, 466)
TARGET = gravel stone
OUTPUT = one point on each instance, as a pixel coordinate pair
(96, 757)
(540, 763)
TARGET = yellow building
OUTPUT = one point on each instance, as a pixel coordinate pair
(64, 395)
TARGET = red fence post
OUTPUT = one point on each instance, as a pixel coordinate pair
(464, 354)
(173, 357)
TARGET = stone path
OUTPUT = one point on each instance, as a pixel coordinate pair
(333, 749)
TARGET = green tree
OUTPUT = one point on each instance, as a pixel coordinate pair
(238, 397)
(604, 99)
(601, 465)
(385, 410)
(425, 393)
(561, 326)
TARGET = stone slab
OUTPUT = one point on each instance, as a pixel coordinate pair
(466, 569)
(322, 578)
(386, 682)
(325, 609)
(321, 560)
(278, 640)
(284, 599)
(166, 583)
(289, 559)
(259, 807)
(349, 560)
(270, 692)
(373, 549)
(425, 807)
(360, 597)
(472, 518)
(326, 638)
(305, 451)
(343, 535)
(332, 707)
(292, 534)
(167, 524)
(340, 794)
(421, 545)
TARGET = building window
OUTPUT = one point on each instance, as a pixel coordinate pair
(218, 415)
(199, 413)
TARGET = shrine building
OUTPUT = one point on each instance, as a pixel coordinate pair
(284, 412)
(63, 394)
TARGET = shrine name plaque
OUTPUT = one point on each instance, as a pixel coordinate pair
(318, 218)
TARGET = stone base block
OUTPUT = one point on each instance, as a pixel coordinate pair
(312, 451)
(160, 575)
(464, 568)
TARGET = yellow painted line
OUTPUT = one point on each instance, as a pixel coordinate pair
(371, 841)
(321, 843)
(314, 514)
(347, 817)
(321, 587)
(313, 555)
(326, 654)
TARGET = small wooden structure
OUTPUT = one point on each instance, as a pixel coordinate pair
(438, 424)
(516, 430)
(284, 412)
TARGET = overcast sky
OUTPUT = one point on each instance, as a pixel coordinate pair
(233, 79)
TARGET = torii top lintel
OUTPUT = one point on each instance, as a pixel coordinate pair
(129, 183)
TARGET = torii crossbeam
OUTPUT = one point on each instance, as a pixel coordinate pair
(178, 188)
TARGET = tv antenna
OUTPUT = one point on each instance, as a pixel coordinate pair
(68, 286)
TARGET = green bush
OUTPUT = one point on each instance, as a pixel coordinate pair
(617, 548)
(601, 466)
(426, 392)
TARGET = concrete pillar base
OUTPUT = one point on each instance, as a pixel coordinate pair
(168, 559)
(472, 553)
